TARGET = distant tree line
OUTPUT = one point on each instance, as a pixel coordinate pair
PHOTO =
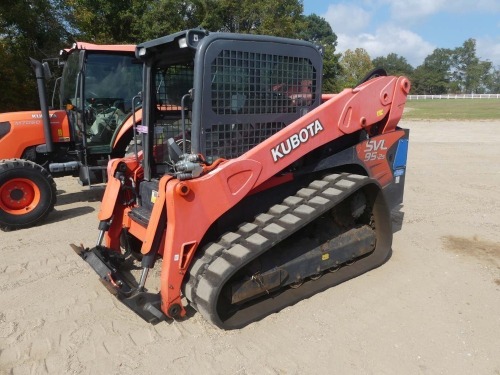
(444, 71)
(40, 28)
(447, 71)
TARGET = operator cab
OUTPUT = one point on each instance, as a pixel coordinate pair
(218, 95)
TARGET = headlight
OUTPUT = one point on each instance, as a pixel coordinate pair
(183, 43)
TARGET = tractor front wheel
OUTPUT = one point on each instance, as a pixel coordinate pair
(27, 193)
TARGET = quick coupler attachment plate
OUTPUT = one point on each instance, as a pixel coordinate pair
(106, 264)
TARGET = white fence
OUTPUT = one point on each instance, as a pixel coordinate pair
(454, 96)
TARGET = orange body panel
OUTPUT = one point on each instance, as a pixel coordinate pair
(27, 130)
(113, 187)
(135, 229)
(373, 153)
(155, 216)
(208, 198)
(325, 97)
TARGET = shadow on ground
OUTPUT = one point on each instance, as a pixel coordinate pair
(93, 194)
(57, 215)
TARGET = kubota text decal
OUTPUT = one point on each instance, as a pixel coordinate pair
(295, 140)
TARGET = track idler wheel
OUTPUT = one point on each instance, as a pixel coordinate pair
(174, 311)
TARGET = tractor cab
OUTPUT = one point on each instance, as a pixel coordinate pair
(97, 88)
(98, 85)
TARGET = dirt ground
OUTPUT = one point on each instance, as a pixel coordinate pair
(433, 308)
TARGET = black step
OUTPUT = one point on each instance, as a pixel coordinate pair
(140, 215)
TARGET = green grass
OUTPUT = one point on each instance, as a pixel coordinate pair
(452, 109)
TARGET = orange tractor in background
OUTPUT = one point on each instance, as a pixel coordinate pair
(250, 198)
(95, 122)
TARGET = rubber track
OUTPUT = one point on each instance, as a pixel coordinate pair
(218, 261)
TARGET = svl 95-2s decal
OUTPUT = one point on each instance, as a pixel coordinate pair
(375, 150)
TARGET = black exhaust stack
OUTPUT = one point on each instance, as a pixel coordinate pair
(42, 94)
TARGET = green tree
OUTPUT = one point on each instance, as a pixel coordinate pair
(103, 21)
(494, 81)
(317, 30)
(394, 65)
(481, 74)
(331, 70)
(433, 76)
(469, 72)
(165, 17)
(28, 28)
(135, 21)
(355, 65)
(270, 17)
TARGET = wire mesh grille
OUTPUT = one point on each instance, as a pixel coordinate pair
(232, 140)
(172, 83)
(253, 96)
(256, 83)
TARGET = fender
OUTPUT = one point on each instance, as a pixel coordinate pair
(126, 126)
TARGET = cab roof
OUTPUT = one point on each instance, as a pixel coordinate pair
(101, 47)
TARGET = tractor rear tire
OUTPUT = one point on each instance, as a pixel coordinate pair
(27, 194)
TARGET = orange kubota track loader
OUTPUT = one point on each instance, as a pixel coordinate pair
(251, 199)
(95, 122)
